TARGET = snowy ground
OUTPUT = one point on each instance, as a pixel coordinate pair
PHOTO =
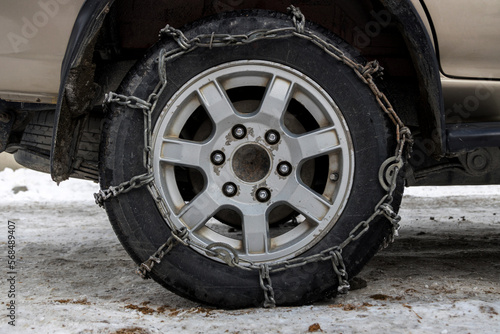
(441, 276)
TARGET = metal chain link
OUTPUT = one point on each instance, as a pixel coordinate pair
(123, 188)
(388, 174)
(146, 267)
(267, 286)
(129, 101)
(340, 271)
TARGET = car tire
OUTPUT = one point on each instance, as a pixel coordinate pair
(314, 165)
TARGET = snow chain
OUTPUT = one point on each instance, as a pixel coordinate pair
(388, 174)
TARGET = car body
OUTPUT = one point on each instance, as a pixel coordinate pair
(465, 88)
(59, 59)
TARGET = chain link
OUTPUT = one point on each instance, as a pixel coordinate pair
(128, 101)
(388, 174)
(123, 188)
(267, 286)
(340, 271)
(146, 267)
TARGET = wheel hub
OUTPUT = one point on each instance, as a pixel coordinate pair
(251, 163)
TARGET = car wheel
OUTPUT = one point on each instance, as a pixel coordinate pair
(269, 151)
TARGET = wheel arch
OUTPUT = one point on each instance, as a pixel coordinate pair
(421, 49)
(79, 90)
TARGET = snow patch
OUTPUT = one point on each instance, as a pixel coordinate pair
(24, 185)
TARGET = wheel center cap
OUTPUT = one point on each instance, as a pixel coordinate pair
(251, 163)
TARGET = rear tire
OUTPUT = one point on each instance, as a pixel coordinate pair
(328, 188)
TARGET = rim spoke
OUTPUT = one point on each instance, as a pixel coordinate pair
(197, 212)
(255, 233)
(277, 97)
(216, 102)
(309, 203)
(181, 152)
(317, 143)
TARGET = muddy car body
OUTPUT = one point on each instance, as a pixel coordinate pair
(236, 148)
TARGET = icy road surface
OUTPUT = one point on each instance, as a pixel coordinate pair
(442, 275)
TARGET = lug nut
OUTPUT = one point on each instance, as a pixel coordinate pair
(334, 177)
(229, 189)
(218, 158)
(239, 131)
(263, 195)
(284, 168)
(272, 137)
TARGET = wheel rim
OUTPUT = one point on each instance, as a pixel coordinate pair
(254, 144)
